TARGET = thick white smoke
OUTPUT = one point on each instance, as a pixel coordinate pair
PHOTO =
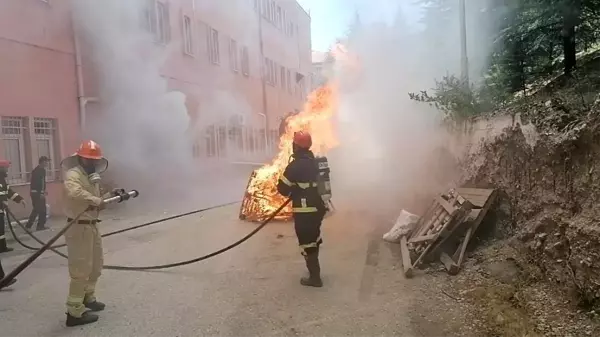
(389, 157)
(141, 126)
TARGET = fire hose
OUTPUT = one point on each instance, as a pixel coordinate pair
(48, 245)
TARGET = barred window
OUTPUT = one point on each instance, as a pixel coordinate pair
(14, 130)
(46, 144)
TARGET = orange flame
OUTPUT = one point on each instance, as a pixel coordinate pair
(316, 118)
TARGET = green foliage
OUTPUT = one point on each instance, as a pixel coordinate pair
(454, 97)
(537, 39)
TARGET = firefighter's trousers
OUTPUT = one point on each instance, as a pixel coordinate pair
(2, 274)
(308, 231)
(84, 246)
(3, 222)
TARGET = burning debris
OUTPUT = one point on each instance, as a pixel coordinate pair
(448, 225)
(261, 198)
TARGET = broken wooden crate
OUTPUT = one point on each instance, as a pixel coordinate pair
(452, 217)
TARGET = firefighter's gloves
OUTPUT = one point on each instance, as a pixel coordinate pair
(100, 207)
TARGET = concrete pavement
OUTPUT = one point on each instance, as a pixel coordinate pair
(252, 290)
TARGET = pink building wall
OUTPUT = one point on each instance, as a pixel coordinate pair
(38, 76)
(37, 80)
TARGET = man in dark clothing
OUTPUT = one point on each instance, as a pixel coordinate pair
(6, 193)
(299, 181)
(38, 195)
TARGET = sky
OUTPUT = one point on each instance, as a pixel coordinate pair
(330, 18)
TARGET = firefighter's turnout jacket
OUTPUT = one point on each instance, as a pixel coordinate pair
(299, 181)
(6, 193)
(84, 243)
(80, 194)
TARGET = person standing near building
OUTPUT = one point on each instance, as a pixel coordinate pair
(299, 182)
(84, 243)
(6, 193)
(38, 195)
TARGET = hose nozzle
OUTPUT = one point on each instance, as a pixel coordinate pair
(120, 195)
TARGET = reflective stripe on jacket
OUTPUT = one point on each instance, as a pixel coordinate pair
(299, 181)
(6, 193)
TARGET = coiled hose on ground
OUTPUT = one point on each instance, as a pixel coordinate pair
(135, 268)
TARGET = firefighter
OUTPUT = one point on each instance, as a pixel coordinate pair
(6, 193)
(299, 181)
(84, 244)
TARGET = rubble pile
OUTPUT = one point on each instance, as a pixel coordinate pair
(445, 229)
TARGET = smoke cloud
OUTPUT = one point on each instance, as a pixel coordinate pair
(143, 126)
(394, 153)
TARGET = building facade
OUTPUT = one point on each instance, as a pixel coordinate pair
(258, 52)
(319, 63)
(38, 90)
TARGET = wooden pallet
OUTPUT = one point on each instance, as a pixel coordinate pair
(482, 200)
(440, 221)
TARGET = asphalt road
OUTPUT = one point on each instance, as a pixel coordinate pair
(252, 290)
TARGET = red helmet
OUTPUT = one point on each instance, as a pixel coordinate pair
(90, 149)
(4, 163)
(303, 139)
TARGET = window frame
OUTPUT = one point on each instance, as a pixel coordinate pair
(23, 153)
(233, 55)
(53, 171)
(214, 55)
(163, 23)
(245, 61)
(188, 36)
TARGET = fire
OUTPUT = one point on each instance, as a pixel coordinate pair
(262, 198)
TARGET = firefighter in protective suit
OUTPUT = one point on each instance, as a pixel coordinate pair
(84, 243)
(299, 181)
(6, 194)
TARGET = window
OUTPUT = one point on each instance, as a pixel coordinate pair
(284, 20)
(278, 18)
(13, 137)
(263, 8)
(273, 12)
(270, 71)
(188, 36)
(150, 17)
(157, 21)
(300, 85)
(233, 55)
(283, 83)
(266, 70)
(289, 81)
(213, 46)
(45, 142)
(245, 61)
(163, 25)
(270, 10)
(255, 5)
